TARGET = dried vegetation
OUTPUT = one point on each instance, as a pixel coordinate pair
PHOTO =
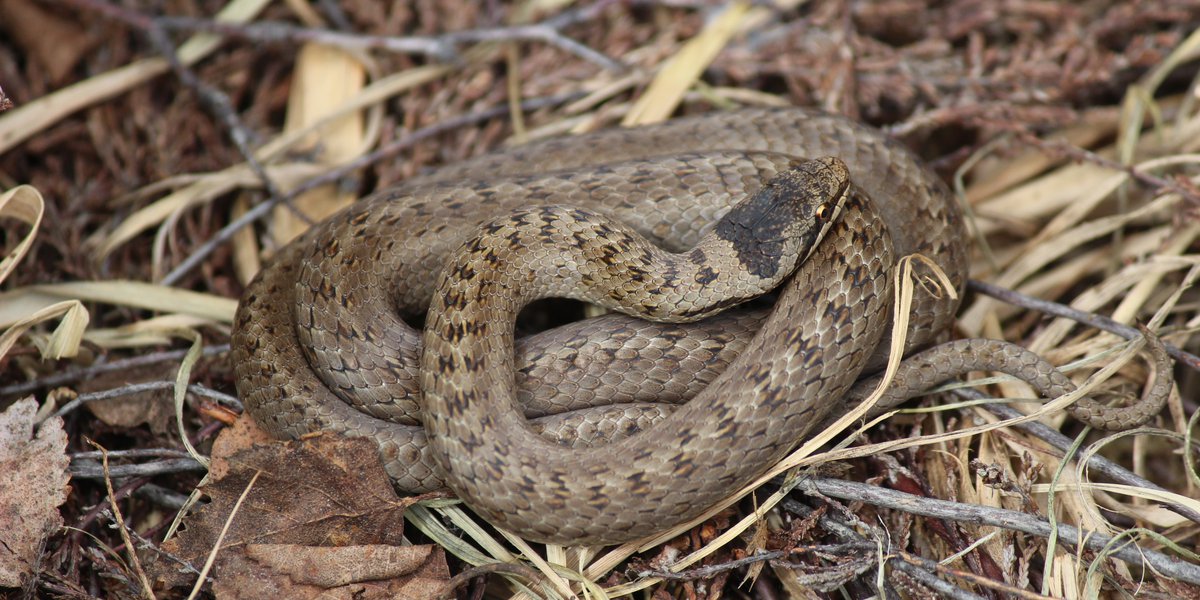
(145, 154)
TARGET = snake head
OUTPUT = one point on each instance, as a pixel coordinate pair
(778, 227)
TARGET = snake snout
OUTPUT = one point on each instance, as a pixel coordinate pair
(811, 194)
(825, 177)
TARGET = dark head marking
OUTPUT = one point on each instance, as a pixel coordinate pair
(778, 226)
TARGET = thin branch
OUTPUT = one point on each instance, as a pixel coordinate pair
(1191, 194)
(1160, 563)
(136, 483)
(93, 470)
(441, 48)
(164, 497)
(913, 560)
(931, 581)
(132, 453)
(1064, 311)
(851, 534)
(149, 386)
(709, 571)
(219, 105)
(66, 376)
(260, 210)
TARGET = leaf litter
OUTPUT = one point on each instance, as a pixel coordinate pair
(33, 484)
(986, 89)
(311, 518)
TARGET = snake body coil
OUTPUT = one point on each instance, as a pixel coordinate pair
(320, 341)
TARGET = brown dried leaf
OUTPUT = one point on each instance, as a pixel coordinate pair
(244, 434)
(288, 571)
(58, 44)
(153, 408)
(33, 483)
(311, 495)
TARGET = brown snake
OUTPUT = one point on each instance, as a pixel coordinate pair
(319, 341)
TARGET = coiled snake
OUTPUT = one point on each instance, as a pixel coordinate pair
(320, 341)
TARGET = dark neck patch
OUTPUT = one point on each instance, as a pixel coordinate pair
(755, 228)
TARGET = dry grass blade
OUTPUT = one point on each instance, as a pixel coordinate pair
(26, 205)
(325, 79)
(682, 70)
(134, 294)
(129, 545)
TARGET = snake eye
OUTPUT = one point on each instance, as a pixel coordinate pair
(822, 212)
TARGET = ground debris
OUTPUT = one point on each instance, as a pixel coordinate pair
(301, 519)
(33, 484)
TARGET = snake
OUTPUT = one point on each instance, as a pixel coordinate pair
(393, 320)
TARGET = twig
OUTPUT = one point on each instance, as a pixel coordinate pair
(260, 210)
(69, 375)
(927, 579)
(148, 386)
(442, 48)
(91, 470)
(134, 484)
(850, 534)
(914, 560)
(217, 103)
(1060, 310)
(709, 571)
(1082, 155)
(132, 453)
(997, 517)
(112, 502)
(166, 498)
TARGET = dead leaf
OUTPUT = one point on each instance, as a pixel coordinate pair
(153, 407)
(244, 434)
(316, 504)
(33, 484)
(57, 43)
(399, 572)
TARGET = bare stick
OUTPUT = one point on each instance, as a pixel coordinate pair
(91, 470)
(66, 376)
(1189, 193)
(1062, 310)
(148, 386)
(851, 534)
(1160, 563)
(216, 102)
(443, 48)
(914, 560)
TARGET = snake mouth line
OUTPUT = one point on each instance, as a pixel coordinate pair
(838, 204)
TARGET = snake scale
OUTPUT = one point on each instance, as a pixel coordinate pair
(321, 340)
